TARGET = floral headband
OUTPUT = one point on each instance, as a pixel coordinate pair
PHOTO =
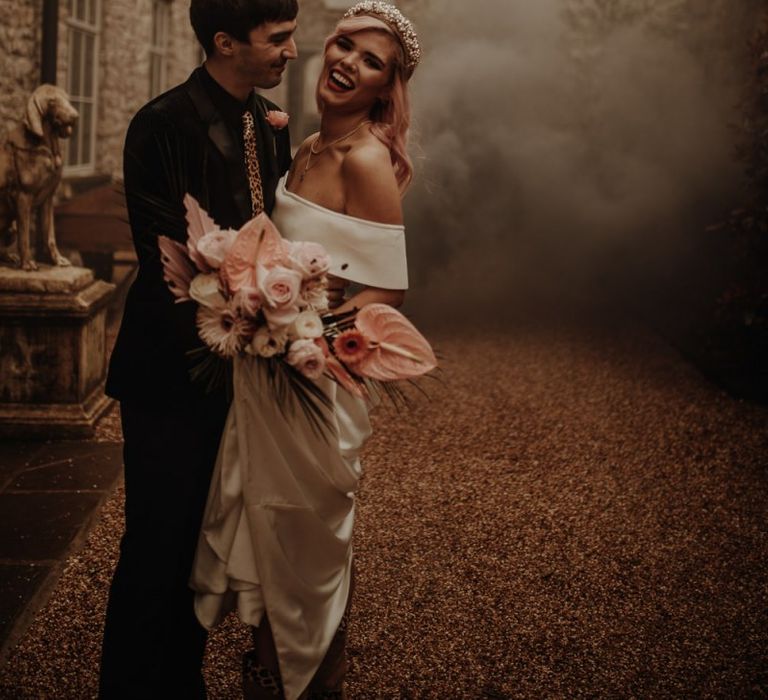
(397, 22)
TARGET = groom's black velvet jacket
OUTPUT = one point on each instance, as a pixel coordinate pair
(186, 140)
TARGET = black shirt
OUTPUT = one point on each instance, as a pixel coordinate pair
(230, 108)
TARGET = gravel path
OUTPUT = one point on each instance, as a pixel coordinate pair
(572, 514)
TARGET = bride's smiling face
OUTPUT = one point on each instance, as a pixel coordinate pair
(357, 69)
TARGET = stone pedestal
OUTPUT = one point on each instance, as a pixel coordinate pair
(52, 352)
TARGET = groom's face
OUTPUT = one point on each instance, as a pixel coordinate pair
(263, 58)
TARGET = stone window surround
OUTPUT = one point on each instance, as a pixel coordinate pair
(159, 47)
(85, 27)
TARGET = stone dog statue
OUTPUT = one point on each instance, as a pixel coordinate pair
(30, 172)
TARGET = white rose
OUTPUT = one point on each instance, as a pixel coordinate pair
(307, 325)
(266, 344)
(204, 289)
(307, 357)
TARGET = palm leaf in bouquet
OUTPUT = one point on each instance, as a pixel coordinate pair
(292, 388)
(210, 370)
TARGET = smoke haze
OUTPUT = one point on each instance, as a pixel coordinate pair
(584, 140)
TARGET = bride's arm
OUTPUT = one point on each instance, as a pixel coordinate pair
(371, 295)
(371, 193)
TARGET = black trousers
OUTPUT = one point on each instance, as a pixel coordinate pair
(153, 644)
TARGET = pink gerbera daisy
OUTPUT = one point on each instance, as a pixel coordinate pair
(223, 330)
(351, 346)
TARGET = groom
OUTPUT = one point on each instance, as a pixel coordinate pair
(190, 139)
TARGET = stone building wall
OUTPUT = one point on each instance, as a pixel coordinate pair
(124, 74)
(20, 37)
(123, 82)
(185, 52)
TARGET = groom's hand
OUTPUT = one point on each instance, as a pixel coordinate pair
(337, 288)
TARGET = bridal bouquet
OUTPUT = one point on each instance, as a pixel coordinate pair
(262, 295)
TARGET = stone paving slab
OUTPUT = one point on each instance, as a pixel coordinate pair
(74, 450)
(40, 526)
(18, 584)
(90, 471)
(14, 458)
(49, 493)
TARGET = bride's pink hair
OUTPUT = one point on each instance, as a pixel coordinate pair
(391, 119)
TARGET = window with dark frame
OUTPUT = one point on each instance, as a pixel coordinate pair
(82, 82)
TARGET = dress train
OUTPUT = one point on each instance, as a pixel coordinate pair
(277, 529)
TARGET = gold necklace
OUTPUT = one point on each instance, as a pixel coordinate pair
(313, 152)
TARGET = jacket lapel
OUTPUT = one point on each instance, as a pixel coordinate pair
(222, 139)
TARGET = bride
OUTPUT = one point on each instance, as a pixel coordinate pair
(276, 538)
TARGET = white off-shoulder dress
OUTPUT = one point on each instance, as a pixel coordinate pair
(277, 529)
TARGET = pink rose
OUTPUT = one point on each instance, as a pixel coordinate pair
(277, 119)
(310, 259)
(279, 286)
(307, 357)
(213, 246)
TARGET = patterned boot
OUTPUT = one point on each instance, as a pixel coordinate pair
(259, 683)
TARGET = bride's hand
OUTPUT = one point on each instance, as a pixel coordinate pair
(337, 288)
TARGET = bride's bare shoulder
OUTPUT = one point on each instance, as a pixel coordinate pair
(371, 190)
(367, 153)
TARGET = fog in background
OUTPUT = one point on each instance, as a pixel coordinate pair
(570, 147)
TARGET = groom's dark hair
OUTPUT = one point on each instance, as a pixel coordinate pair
(236, 17)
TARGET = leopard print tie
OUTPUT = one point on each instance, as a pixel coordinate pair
(252, 164)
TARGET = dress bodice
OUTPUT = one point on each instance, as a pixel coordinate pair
(362, 251)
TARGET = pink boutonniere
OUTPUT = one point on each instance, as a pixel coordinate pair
(277, 119)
